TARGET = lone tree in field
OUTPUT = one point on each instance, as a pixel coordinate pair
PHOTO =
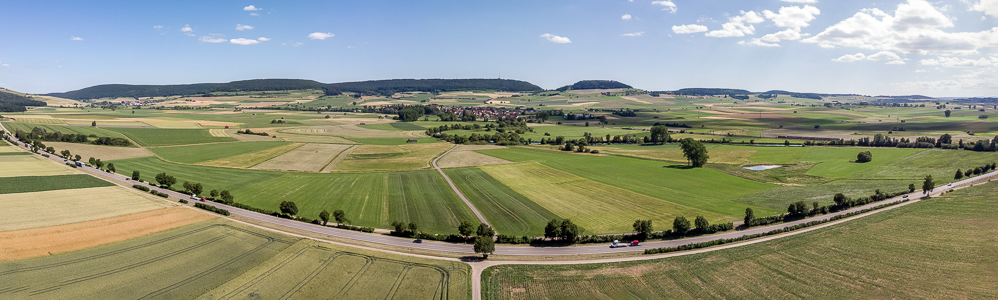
(694, 151)
(643, 228)
(680, 225)
(485, 230)
(288, 208)
(94, 124)
(553, 230)
(484, 245)
(864, 156)
(340, 216)
(959, 175)
(165, 180)
(659, 134)
(465, 229)
(701, 223)
(948, 112)
(928, 185)
(749, 215)
(324, 216)
(135, 175)
(227, 197)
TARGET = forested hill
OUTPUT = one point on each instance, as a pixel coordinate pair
(391, 86)
(385, 87)
(710, 91)
(11, 102)
(599, 85)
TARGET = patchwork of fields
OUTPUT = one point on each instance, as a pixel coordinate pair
(23, 210)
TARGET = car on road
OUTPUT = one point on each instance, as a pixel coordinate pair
(418, 241)
(905, 196)
(949, 184)
(635, 243)
(615, 244)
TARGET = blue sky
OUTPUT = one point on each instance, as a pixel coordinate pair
(944, 48)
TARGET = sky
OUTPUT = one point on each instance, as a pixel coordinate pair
(901, 47)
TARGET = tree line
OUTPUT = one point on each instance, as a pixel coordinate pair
(39, 133)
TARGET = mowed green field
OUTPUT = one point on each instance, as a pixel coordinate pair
(509, 212)
(939, 163)
(26, 184)
(165, 137)
(835, 162)
(934, 249)
(201, 153)
(369, 199)
(781, 197)
(85, 130)
(699, 188)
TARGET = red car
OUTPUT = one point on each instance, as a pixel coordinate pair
(635, 243)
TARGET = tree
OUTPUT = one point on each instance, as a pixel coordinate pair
(136, 176)
(92, 161)
(399, 227)
(410, 114)
(644, 228)
(324, 216)
(50, 149)
(680, 225)
(110, 168)
(928, 185)
(911, 188)
(864, 156)
(197, 188)
(798, 208)
(99, 164)
(288, 208)
(485, 245)
(413, 228)
(94, 124)
(694, 151)
(65, 153)
(948, 112)
(959, 175)
(465, 229)
(227, 197)
(946, 139)
(553, 229)
(701, 223)
(340, 216)
(659, 134)
(569, 231)
(165, 180)
(485, 230)
(213, 194)
(77, 158)
(840, 199)
(749, 215)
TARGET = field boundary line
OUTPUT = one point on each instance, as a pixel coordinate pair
(338, 158)
(458, 192)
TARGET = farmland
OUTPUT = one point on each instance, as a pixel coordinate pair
(392, 158)
(508, 211)
(71, 206)
(200, 153)
(466, 156)
(30, 165)
(102, 152)
(251, 159)
(924, 250)
(27, 184)
(166, 137)
(307, 158)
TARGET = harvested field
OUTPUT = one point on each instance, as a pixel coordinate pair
(597, 207)
(465, 156)
(36, 242)
(392, 158)
(27, 184)
(353, 131)
(38, 119)
(30, 165)
(181, 263)
(108, 123)
(102, 152)
(71, 206)
(251, 159)
(218, 133)
(635, 99)
(313, 270)
(336, 161)
(309, 138)
(307, 158)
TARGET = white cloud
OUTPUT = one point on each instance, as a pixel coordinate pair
(758, 42)
(739, 25)
(320, 35)
(895, 62)
(242, 27)
(915, 27)
(988, 7)
(793, 16)
(884, 55)
(626, 17)
(639, 33)
(690, 28)
(251, 8)
(920, 71)
(791, 34)
(556, 39)
(212, 39)
(850, 57)
(242, 41)
(157, 27)
(956, 62)
(75, 38)
(187, 30)
(263, 39)
(800, 1)
(667, 4)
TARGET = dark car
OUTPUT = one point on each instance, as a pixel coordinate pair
(418, 241)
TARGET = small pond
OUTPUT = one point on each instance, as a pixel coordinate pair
(760, 168)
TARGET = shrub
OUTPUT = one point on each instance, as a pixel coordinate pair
(141, 187)
(212, 209)
(183, 201)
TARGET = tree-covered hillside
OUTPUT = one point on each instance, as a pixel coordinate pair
(269, 85)
(710, 91)
(10, 102)
(128, 90)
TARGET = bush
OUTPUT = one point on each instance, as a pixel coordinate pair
(183, 201)
(141, 187)
(157, 193)
(212, 209)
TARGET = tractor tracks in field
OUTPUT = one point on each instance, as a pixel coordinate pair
(458, 192)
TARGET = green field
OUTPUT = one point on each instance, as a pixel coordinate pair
(781, 197)
(931, 249)
(393, 141)
(778, 155)
(202, 153)
(165, 137)
(698, 188)
(835, 162)
(939, 163)
(508, 211)
(26, 184)
(85, 130)
(369, 199)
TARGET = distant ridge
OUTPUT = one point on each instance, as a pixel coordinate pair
(384, 87)
(13, 102)
(594, 85)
